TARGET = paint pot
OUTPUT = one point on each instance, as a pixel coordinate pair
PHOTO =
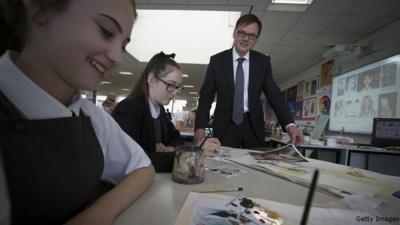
(188, 165)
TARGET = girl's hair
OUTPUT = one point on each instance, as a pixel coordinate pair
(160, 65)
(14, 20)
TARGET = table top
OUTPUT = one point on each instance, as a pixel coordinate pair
(162, 202)
(351, 147)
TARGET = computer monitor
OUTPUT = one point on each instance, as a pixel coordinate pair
(386, 132)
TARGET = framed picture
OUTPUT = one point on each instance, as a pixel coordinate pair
(291, 94)
(300, 90)
(310, 88)
(310, 108)
(325, 77)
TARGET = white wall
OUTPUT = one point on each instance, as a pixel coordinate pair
(385, 41)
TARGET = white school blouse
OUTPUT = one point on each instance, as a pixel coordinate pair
(122, 154)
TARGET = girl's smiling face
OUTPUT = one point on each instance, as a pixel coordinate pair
(79, 45)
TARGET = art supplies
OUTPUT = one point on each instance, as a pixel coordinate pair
(188, 165)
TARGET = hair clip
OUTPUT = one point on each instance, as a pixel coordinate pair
(172, 55)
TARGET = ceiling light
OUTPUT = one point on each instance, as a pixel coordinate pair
(125, 73)
(188, 86)
(202, 32)
(185, 75)
(125, 89)
(193, 93)
(101, 98)
(288, 7)
(105, 82)
(297, 2)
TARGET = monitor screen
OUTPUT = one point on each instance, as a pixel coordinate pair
(386, 132)
(364, 93)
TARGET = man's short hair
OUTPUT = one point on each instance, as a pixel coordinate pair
(248, 19)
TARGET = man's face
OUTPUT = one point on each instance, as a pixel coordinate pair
(245, 37)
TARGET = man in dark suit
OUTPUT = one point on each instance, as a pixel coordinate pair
(238, 114)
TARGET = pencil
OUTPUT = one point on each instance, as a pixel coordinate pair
(310, 196)
(219, 190)
(204, 141)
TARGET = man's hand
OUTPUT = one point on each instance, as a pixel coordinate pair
(211, 147)
(296, 136)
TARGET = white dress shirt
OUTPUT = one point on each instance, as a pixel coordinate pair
(155, 110)
(121, 153)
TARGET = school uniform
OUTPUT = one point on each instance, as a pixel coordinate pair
(55, 156)
(135, 117)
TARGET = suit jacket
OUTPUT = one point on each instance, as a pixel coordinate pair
(219, 80)
(134, 117)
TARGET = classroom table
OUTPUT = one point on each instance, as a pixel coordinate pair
(162, 202)
(360, 156)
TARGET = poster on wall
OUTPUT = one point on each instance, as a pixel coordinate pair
(324, 95)
(324, 104)
(325, 78)
(311, 87)
(299, 110)
(364, 93)
(291, 94)
(300, 90)
(310, 108)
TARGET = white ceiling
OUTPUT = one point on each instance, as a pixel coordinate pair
(294, 40)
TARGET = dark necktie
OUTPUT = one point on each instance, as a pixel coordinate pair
(237, 115)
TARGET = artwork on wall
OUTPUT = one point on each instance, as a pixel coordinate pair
(311, 87)
(325, 78)
(299, 109)
(291, 94)
(310, 108)
(324, 104)
(324, 95)
(300, 90)
(364, 93)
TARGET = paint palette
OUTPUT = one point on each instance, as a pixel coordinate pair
(250, 212)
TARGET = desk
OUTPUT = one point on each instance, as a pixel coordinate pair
(338, 149)
(165, 197)
(162, 202)
(376, 159)
(363, 157)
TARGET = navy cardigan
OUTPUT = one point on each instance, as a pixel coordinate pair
(134, 117)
